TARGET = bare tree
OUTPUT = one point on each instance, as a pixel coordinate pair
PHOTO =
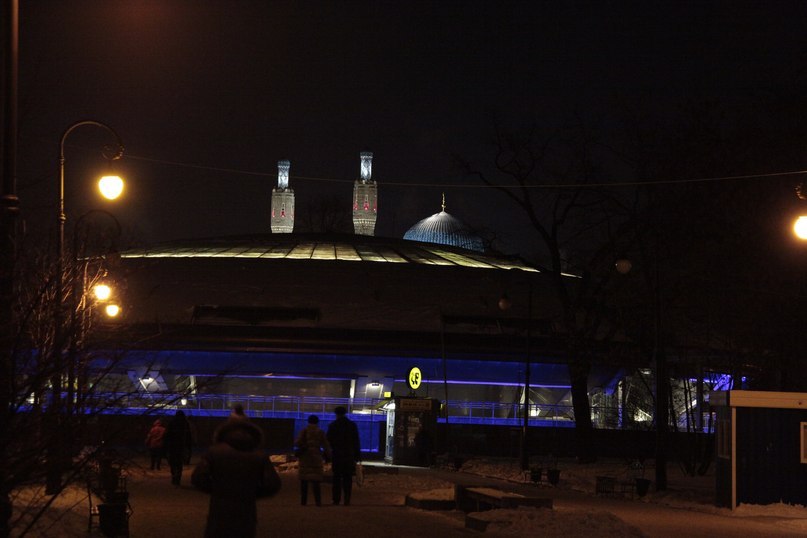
(323, 214)
(575, 226)
(50, 433)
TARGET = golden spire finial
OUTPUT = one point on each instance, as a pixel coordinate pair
(444, 201)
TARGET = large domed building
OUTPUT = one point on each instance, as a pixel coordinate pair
(445, 229)
(289, 324)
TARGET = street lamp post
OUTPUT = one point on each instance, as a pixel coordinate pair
(505, 304)
(55, 452)
(79, 300)
(118, 153)
(662, 409)
(525, 458)
(9, 210)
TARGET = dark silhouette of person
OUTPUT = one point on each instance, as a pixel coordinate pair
(424, 446)
(154, 442)
(236, 473)
(177, 441)
(314, 450)
(343, 436)
(237, 413)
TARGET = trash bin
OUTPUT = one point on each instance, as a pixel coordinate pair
(642, 486)
(113, 520)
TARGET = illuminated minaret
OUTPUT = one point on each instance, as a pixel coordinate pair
(282, 201)
(365, 198)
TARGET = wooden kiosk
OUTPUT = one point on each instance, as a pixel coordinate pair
(761, 447)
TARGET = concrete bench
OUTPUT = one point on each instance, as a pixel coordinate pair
(478, 499)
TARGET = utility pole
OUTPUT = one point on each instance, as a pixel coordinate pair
(8, 240)
(662, 411)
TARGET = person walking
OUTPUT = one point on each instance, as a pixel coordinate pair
(313, 450)
(236, 473)
(238, 412)
(343, 436)
(177, 441)
(154, 443)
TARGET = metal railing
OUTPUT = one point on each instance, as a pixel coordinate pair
(287, 406)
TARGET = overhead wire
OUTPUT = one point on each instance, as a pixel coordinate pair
(633, 183)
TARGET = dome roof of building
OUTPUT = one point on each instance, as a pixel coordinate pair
(445, 229)
(329, 247)
(334, 283)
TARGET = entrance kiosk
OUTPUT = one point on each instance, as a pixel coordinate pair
(411, 430)
(761, 447)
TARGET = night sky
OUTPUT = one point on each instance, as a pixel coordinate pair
(209, 95)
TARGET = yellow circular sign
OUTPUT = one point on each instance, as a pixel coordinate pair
(414, 378)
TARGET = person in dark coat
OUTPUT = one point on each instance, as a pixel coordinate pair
(177, 441)
(236, 473)
(237, 413)
(343, 436)
(154, 442)
(313, 450)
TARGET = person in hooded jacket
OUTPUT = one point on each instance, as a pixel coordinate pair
(154, 442)
(177, 441)
(314, 450)
(236, 473)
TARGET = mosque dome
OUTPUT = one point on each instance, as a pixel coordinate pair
(444, 229)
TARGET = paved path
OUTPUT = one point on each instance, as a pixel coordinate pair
(161, 510)
(164, 511)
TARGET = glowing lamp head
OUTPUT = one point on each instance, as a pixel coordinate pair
(102, 292)
(800, 227)
(110, 186)
(112, 310)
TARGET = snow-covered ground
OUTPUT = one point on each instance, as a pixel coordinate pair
(577, 510)
(684, 493)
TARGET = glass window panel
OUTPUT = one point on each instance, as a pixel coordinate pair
(369, 255)
(460, 259)
(391, 256)
(302, 251)
(347, 252)
(324, 251)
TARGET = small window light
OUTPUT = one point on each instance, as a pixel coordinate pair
(112, 310)
(183, 401)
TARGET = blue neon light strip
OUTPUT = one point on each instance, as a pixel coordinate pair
(493, 383)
